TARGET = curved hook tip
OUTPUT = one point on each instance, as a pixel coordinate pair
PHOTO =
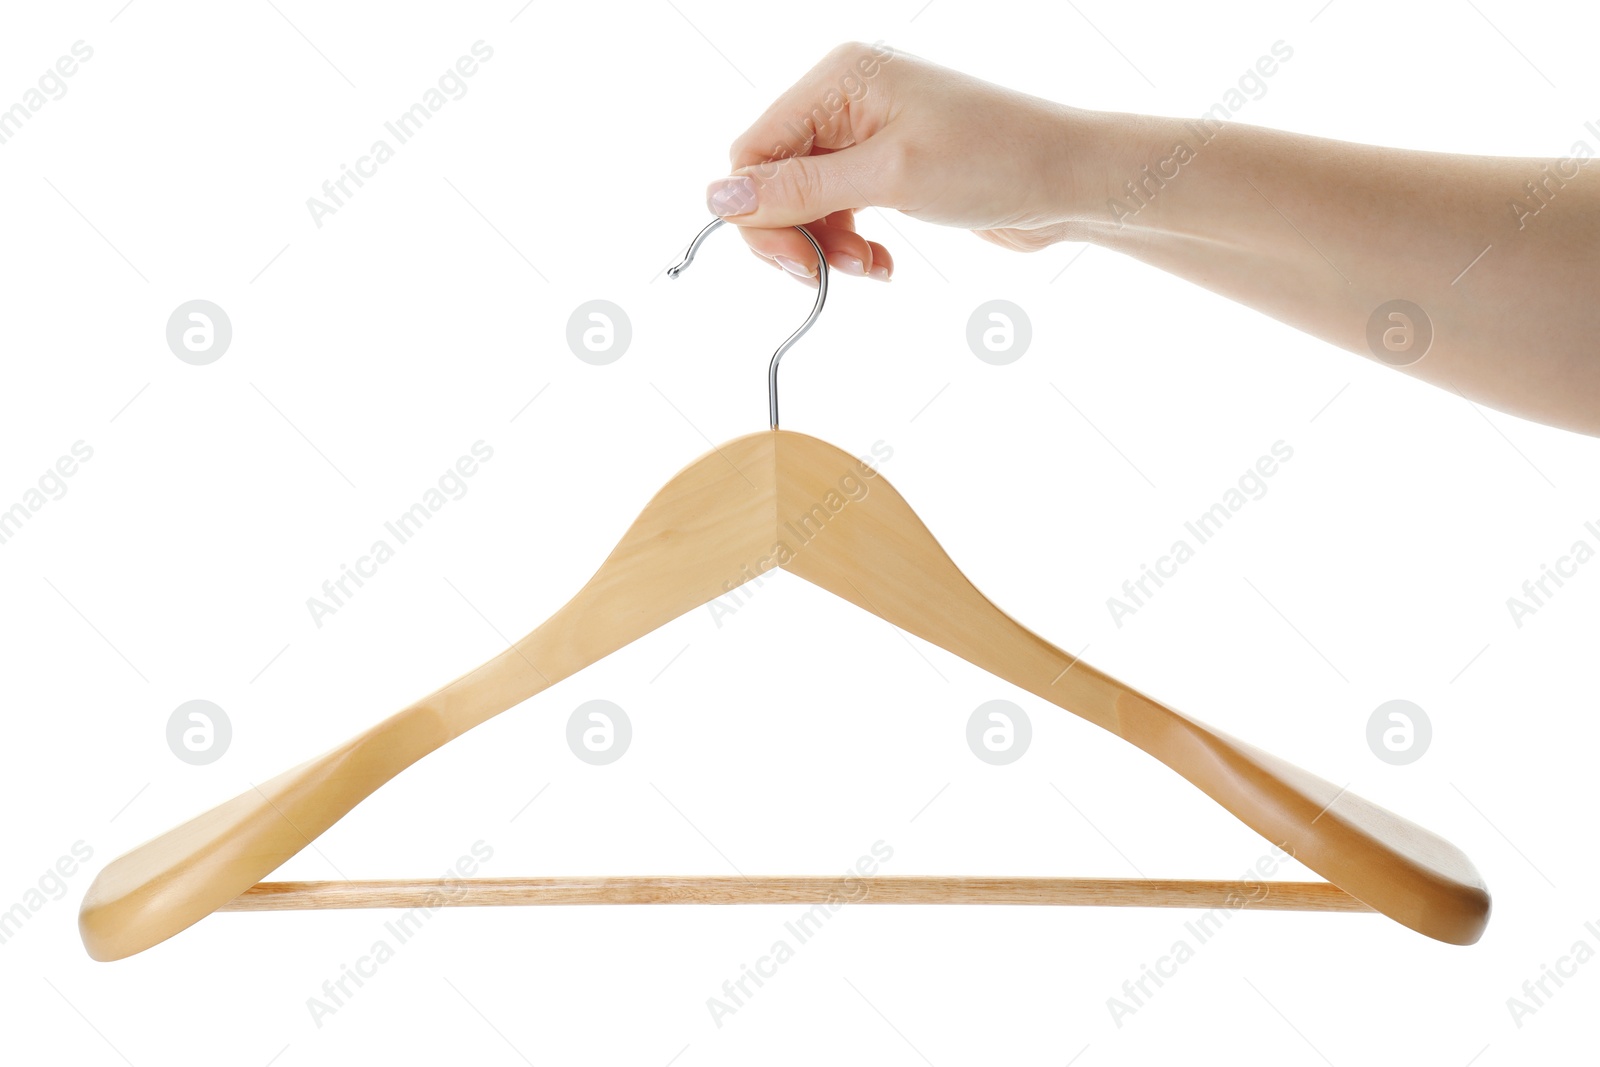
(816, 309)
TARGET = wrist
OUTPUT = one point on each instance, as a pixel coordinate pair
(1093, 147)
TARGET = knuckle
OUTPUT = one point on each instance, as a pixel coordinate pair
(858, 58)
(897, 164)
(804, 184)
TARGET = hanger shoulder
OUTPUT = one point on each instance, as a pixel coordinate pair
(699, 536)
(851, 533)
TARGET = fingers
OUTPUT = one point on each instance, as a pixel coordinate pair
(844, 248)
(821, 110)
(882, 263)
(847, 251)
(800, 189)
(811, 160)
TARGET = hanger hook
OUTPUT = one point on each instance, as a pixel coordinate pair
(816, 309)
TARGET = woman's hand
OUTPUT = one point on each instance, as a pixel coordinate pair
(1475, 273)
(872, 126)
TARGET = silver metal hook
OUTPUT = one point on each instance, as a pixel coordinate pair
(816, 309)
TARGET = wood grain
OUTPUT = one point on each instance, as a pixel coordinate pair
(697, 534)
(779, 498)
(925, 889)
(876, 553)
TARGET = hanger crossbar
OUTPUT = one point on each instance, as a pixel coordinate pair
(732, 889)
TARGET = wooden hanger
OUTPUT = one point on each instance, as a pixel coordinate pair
(782, 499)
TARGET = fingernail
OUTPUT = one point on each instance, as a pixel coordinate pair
(731, 196)
(881, 273)
(849, 264)
(795, 267)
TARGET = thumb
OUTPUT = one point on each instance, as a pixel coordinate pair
(797, 190)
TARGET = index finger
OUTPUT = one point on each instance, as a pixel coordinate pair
(821, 110)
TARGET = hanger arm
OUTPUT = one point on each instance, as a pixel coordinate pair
(687, 548)
(876, 553)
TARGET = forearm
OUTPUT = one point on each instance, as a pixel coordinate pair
(1320, 234)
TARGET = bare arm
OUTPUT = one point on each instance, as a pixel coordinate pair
(1323, 234)
(1476, 274)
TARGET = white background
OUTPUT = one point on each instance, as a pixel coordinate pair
(426, 314)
